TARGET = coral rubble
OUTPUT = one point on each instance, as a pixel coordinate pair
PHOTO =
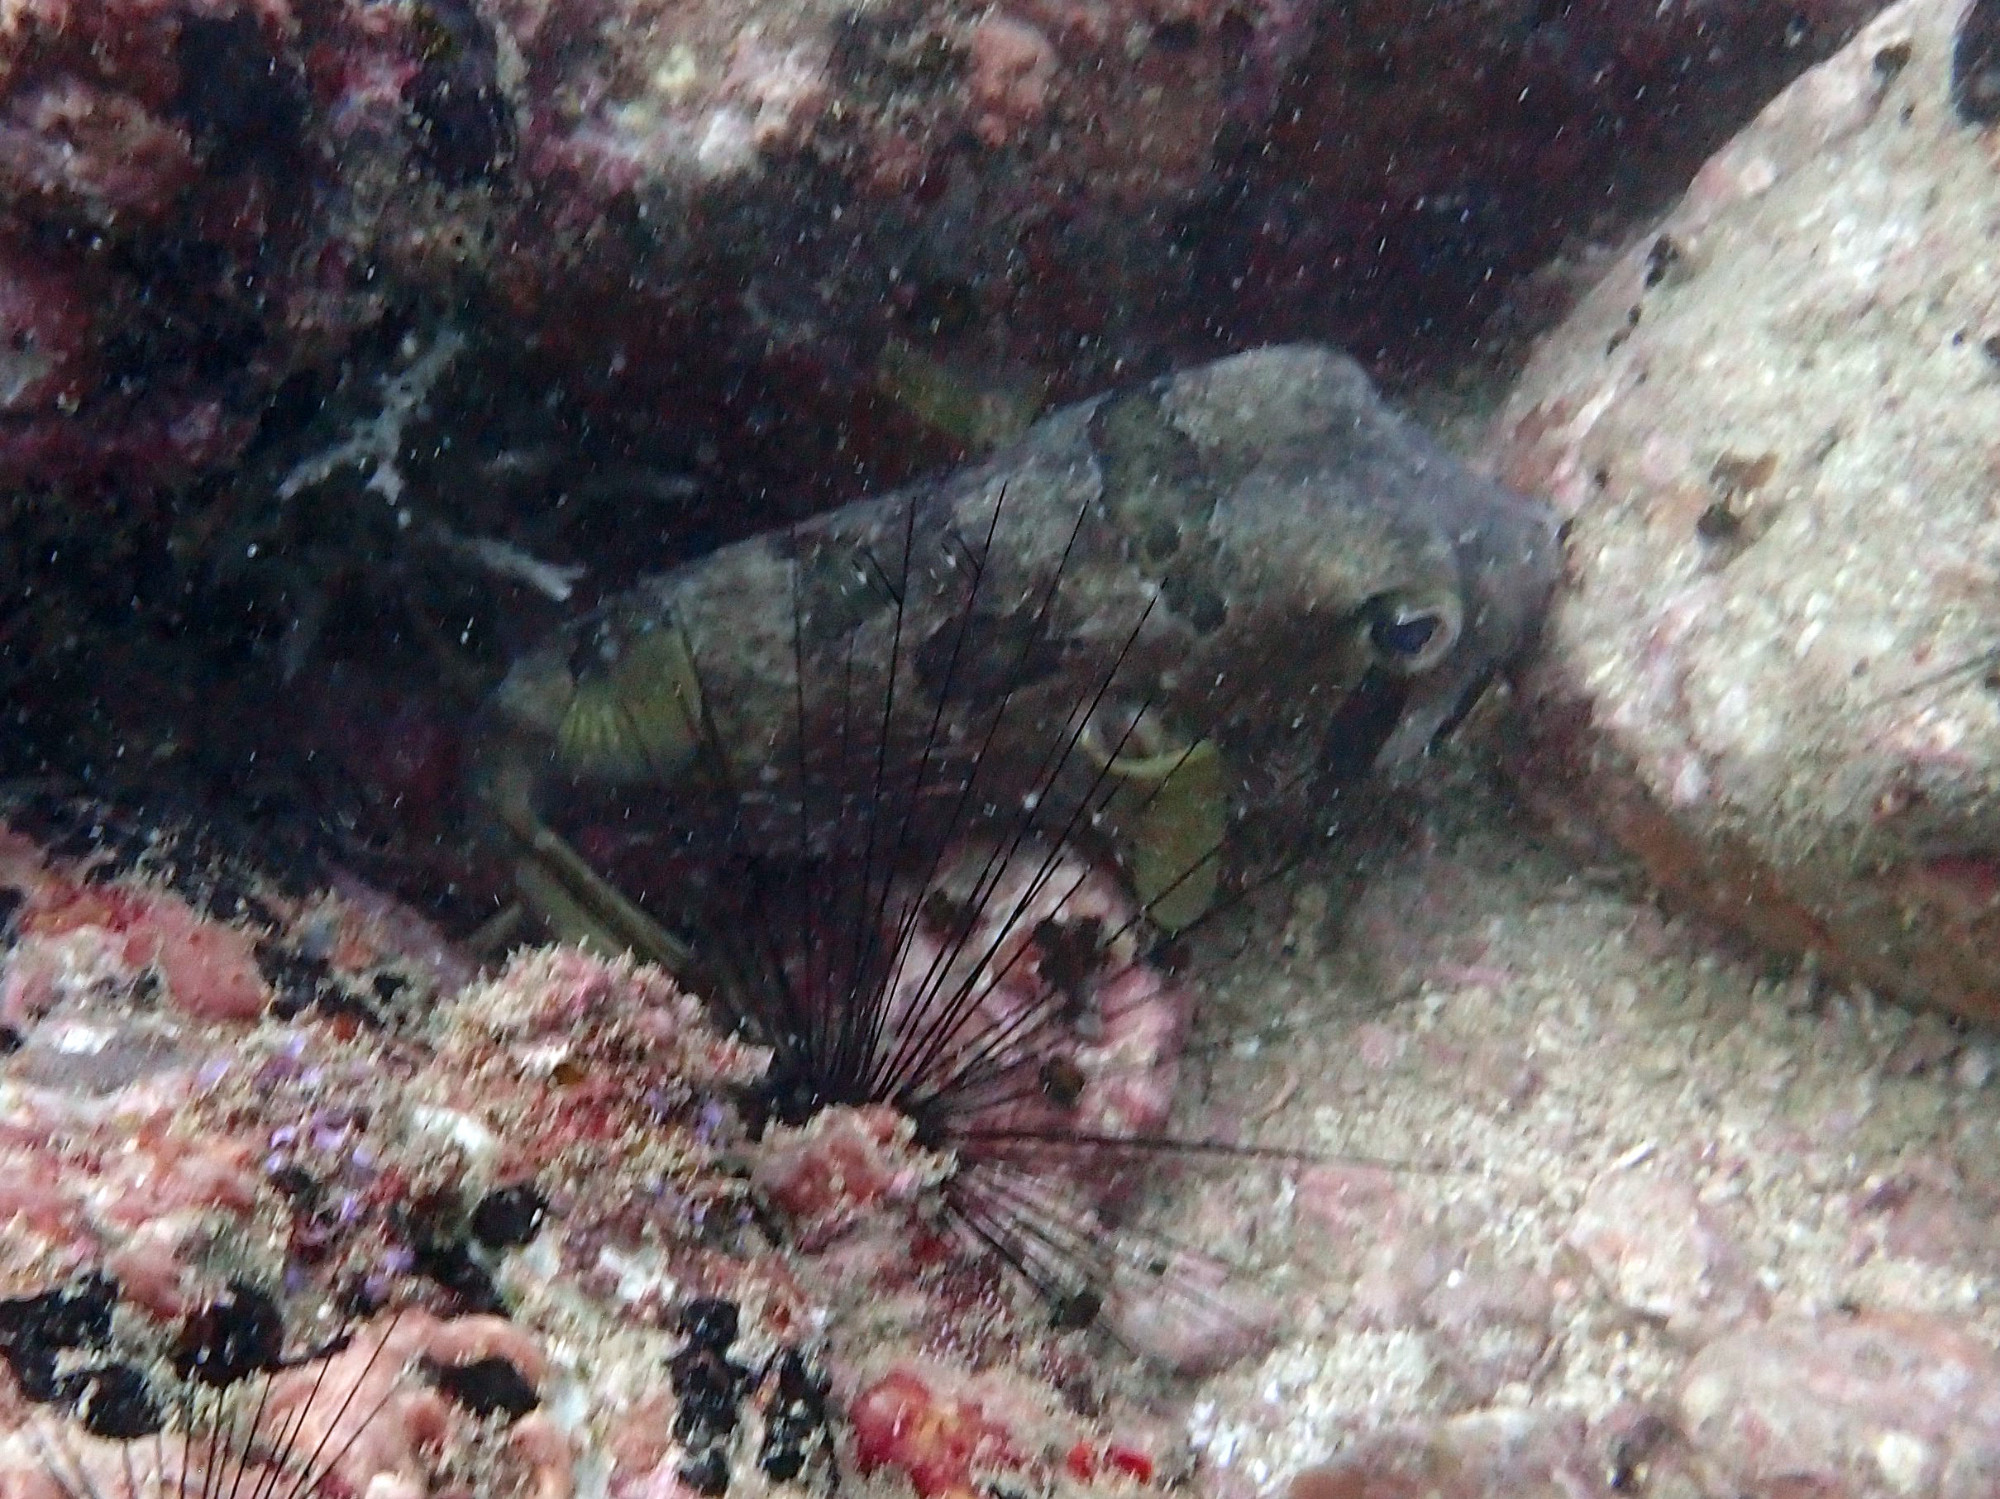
(529, 1223)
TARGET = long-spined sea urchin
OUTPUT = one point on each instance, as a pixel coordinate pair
(915, 933)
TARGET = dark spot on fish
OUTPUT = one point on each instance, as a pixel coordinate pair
(11, 1040)
(465, 124)
(485, 1386)
(238, 1334)
(1162, 540)
(1719, 523)
(1891, 60)
(1152, 471)
(840, 589)
(1990, 347)
(1975, 64)
(1661, 259)
(1177, 36)
(508, 1217)
(112, 1401)
(11, 901)
(983, 653)
(1194, 601)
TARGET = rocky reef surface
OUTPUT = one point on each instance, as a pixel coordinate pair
(1772, 676)
(709, 208)
(505, 1235)
(1581, 1204)
(1573, 1196)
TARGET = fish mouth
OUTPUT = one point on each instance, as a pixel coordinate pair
(1509, 554)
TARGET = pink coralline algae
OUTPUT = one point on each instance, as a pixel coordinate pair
(444, 1190)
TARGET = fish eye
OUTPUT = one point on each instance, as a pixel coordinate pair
(1403, 637)
(1411, 632)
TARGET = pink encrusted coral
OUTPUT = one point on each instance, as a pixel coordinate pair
(345, 1162)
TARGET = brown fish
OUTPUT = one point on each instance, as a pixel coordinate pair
(1252, 579)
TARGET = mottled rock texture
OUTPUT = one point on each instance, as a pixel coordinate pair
(1772, 428)
(1847, 1407)
(702, 209)
(456, 1195)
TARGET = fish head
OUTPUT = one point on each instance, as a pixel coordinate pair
(1506, 556)
(1352, 546)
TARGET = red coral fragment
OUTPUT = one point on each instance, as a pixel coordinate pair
(1086, 1463)
(829, 1172)
(1129, 1461)
(210, 969)
(900, 1422)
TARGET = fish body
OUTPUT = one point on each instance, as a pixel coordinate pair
(1155, 613)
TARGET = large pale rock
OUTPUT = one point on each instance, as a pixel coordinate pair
(1774, 427)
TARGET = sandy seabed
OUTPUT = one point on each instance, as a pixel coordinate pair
(1563, 1195)
(1621, 1210)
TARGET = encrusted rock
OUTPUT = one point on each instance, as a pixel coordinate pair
(1771, 426)
(201, 197)
(1664, 1255)
(1899, 1405)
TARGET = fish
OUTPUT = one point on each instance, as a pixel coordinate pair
(1159, 617)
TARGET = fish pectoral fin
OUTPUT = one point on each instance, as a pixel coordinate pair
(1178, 835)
(1171, 812)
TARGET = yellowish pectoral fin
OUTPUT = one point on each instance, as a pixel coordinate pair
(638, 722)
(1174, 811)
